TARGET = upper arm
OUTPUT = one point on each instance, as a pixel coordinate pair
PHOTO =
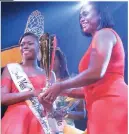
(101, 51)
(5, 81)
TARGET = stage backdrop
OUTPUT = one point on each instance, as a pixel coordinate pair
(62, 19)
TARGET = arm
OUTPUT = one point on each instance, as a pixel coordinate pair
(73, 93)
(104, 41)
(99, 60)
(8, 98)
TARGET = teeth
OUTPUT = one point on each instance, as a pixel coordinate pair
(25, 51)
(84, 25)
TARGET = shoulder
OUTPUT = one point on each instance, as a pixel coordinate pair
(106, 35)
(5, 73)
(6, 68)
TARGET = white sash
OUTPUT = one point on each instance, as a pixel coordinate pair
(22, 83)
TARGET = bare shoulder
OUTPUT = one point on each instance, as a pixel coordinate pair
(6, 73)
(106, 35)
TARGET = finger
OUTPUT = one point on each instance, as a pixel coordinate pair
(54, 98)
(40, 95)
(44, 102)
(50, 98)
(45, 94)
(41, 99)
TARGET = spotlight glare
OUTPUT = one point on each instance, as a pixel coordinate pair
(83, 2)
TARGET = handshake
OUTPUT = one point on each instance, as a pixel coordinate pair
(48, 96)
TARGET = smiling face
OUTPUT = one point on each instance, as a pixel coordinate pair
(29, 47)
(89, 19)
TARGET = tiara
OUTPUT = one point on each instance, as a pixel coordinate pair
(35, 23)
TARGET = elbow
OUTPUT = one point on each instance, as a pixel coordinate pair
(97, 74)
(4, 101)
(101, 74)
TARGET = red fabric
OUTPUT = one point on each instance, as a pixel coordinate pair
(107, 98)
(18, 118)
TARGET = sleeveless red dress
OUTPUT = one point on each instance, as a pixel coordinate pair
(107, 98)
(18, 119)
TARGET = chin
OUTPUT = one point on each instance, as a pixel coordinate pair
(86, 30)
(28, 58)
(86, 33)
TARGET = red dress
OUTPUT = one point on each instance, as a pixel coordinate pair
(107, 98)
(18, 118)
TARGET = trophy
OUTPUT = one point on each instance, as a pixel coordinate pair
(47, 53)
(48, 45)
(60, 108)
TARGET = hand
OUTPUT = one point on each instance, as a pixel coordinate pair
(47, 106)
(36, 92)
(51, 94)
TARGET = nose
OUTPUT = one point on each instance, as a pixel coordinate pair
(82, 19)
(26, 46)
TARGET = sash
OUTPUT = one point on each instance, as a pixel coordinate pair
(23, 84)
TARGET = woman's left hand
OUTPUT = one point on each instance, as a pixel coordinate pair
(51, 93)
(47, 106)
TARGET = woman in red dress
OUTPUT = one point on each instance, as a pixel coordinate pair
(101, 74)
(19, 119)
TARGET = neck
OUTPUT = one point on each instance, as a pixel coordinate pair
(30, 63)
(93, 33)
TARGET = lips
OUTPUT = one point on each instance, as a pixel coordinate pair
(26, 51)
(84, 25)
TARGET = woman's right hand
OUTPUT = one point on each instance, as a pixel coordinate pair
(48, 106)
(35, 93)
